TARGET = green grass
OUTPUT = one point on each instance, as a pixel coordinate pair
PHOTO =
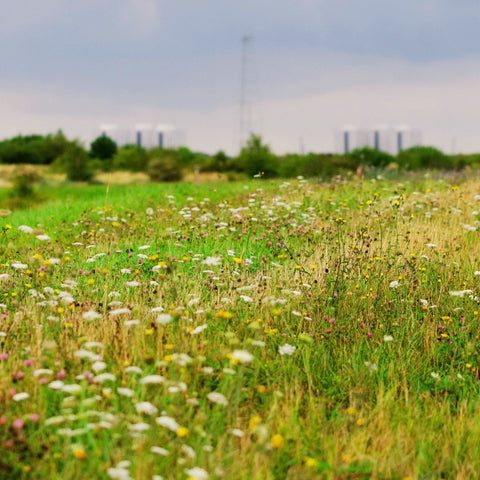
(356, 282)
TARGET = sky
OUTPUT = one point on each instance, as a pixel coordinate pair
(311, 67)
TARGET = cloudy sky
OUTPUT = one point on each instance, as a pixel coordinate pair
(312, 66)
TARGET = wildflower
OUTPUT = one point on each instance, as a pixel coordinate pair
(254, 421)
(126, 392)
(79, 452)
(18, 423)
(310, 462)
(394, 284)
(146, 407)
(199, 329)
(277, 441)
(152, 379)
(218, 398)
(164, 319)
(18, 397)
(387, 338)
(196, 473)
(43, 237)
(241, 356)
(118, 473)
(70, 388)
(286, 349)
(182, 432)
(91, 315)
(103, 377)
(460, 293)
(159, 451)
(120, 311)
(212, 261)
(25, 229)
(167, 422)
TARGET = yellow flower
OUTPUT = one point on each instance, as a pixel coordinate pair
(79, 453)
(90, 281)
(182, 432)
(254, 421)
(277, 441)
(310, 462)
(237, 260)
(261, 388)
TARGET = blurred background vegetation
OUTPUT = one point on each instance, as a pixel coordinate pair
(59, 155)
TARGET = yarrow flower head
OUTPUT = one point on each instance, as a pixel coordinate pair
(286, 349)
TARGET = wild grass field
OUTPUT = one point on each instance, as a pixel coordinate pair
(253, 330)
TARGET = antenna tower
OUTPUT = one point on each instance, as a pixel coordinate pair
(245, 114)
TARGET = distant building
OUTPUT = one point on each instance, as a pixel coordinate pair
(145, 135)
(379, 137)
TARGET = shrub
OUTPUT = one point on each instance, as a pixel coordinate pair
(131, 158)
(77, 164)
(256, 157)
(370, 157)
(103, 148)
(423, 157)
(164, 169)
(24, 180)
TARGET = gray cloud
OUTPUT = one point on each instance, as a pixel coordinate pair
(116, 59)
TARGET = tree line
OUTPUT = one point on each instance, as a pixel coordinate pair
(255, 159)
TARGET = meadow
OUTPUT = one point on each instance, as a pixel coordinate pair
(244, 330)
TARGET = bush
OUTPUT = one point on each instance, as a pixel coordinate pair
(24, 180)
(103, 148)
(256, 158)
(77, 164)
(33, 149)
(369, 157)
(423, 157)
(131, 158)
(164, 169)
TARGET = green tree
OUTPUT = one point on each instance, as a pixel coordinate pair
(369, 157)
(103, 148)
(257, 158)
(132, 158)
(77, 164)
(164, 169)
(424, 157)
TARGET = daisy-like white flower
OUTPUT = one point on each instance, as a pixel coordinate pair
(120, 311)
(146, 407)
(286, 349)
(126, 392)
(218, 398)
(168, 422)
(91, 315)
(19, 265)
(138, 427)
(164, 319)
(197, 473)
(242, 356)
(199, 329)
(152, 379)
(212, 261)
(18, 397)
(43, 237)
(104, 377)
(394, 284)
(159, 451)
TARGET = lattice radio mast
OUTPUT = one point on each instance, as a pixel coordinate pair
(245, 114)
